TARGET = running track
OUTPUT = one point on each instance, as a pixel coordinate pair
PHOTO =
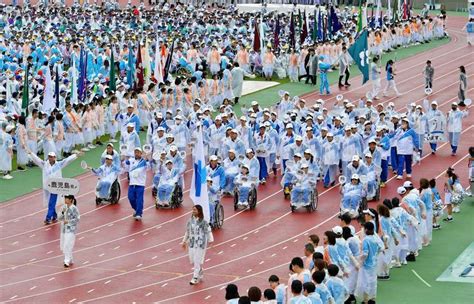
(119, 259)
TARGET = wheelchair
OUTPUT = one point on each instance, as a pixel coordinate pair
(114, 194)
(310, 205)
(245, 193)
(374, 195)
(174, 201)
(217, 219)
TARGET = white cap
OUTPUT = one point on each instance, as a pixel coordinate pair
(231, 151)
(129, 105)
(9, 128)
(213, 157)
(308, 151)
(110, 144)
(52, 154)
(209, 179)
(179, 117)
(289, 126)
(337, 229)
(304, 166)
(434, 102)
(218, 117)
(168, 161)
(138, 149)
(160, 129)
(254, 103)
(454, 104)
(347, 128)
(408, 184)
(173, 148)
(355, 158)
(243, 118)
(298, 138)
(372, 141)
(234, 131)
(355, 176)
(324, 129)
(309, 129)
(159, 115)
(253, 115)
(401, 190)
(368, 155)
(169, 135)
(267, 124)
(131, 125)
(330, 134)
(297, 155)
(109, 157)
(367, 211)
(249, 151)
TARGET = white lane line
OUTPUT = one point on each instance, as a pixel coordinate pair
(33, 235)
(419, 277)
(249, 270)
(261, 262)
(91, 290)
(72, 300)
(14, 297)
(33, 259)
(256, 231)
(295, 240)
(101, 255)
(107, 282)
(220, 252)
(131, 240)
(14, 243)
(168, 250)
(86, 262)
(207, 260)
(50, 279)
(49, 252)
(153, 258)
(33, 287)
(145, 233)
(81, 238)
(245, 237)
(233, 245)
(149, 294)
(285, 247)
(207, 298)
(98, 230)
(139, 265)
(164, 285)
(117, 247)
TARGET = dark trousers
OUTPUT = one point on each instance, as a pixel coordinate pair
(347, 74)
(313, 79)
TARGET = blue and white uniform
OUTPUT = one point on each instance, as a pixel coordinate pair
(107, 175)
(136, 169)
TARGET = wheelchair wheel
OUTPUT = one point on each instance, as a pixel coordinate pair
(98, 201)
(315, 199)
(293, 208)
(311, 207)
(176, 197)
(236, 199)
(253, 198)
(115, 192)
(154, 192)
(219, 216)
(362, 206)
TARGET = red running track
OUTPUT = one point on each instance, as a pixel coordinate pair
(118, 259)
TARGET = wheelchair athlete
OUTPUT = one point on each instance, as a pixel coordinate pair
(231, 170)
(168, 181)
(108, 174)
(244, 184)
(214, 196)
(352, 194)
(290, 170)
(303, 185)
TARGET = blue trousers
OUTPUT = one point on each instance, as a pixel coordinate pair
(384, 173)
(51, 215)
(135, 196)
(263, 168)
(324, 85)
(454, 140)
(393, 158)
(404, 161)
(433, 146)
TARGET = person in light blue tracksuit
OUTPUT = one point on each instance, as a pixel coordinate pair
(407, 142)
(107, 174)
(213, 195)
(216, 172)
(231, 170)
(384, 145)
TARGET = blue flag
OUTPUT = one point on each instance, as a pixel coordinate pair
(359, 52)
(131, 67)
(198, 191)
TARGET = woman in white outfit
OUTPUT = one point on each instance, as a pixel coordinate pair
(69, 217)
(198, 235)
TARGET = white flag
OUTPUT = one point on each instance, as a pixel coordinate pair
(157, 73)
(198, 191)
(48, 99)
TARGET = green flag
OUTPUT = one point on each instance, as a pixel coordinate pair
(314, 35)
(359, 52)
(112, 80)
(26, 92)
(359, 19)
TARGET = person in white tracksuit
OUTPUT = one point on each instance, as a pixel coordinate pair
(69, 217)
(51, 169)
(454, 126)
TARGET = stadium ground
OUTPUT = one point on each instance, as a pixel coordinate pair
(121, 260)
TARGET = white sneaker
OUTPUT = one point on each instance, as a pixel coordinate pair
(91, 146)
(399, 177)
(408, 175)
(75, 151)
(138, 218)
(8, 176)
(85, 149)
(194, 281)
